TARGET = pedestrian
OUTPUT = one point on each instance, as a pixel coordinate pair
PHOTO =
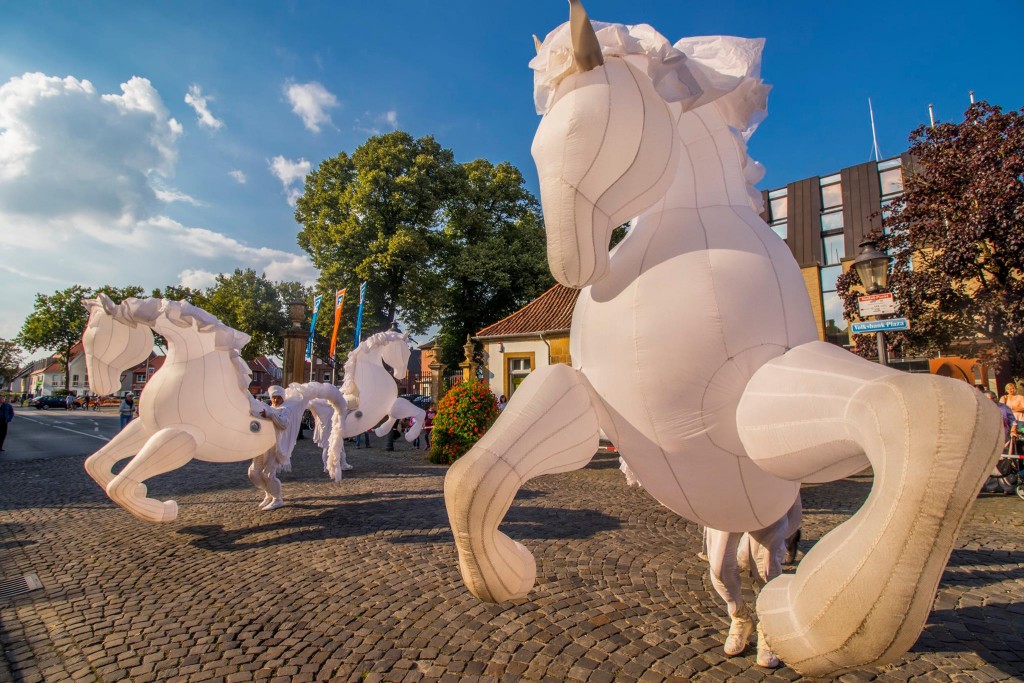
(502, 402)
(410, 423)
(6, 416)
(69, 401)
(264, 467)
(1014, 401)
(127, 409)
(428, 424)
(362, 439)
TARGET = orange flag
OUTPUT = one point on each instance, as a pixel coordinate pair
(339, 301)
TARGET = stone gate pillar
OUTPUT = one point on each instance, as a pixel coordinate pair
(295, 339)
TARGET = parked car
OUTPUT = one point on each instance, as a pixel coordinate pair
(44, 402)
(418, 400)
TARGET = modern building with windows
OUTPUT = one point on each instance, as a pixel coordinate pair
(823, 219)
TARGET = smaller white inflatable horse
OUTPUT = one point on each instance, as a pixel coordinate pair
(371, 391)
(197, 406)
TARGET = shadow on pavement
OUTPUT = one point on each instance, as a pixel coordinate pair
(995, 635)
(421, 513)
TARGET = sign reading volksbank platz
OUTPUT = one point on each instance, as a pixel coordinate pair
(891, 325)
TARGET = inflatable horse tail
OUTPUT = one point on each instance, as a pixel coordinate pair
(329, 408)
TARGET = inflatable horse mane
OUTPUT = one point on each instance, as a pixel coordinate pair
(695, 350)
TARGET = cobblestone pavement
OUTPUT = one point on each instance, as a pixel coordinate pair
(358, 581)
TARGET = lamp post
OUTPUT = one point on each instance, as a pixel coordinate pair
(872, 268)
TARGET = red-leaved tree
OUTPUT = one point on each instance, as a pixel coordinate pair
(956, 236)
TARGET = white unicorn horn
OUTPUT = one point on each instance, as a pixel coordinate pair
(586, 49)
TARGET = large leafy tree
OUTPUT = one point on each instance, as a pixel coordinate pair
(56, 325)
(494, 259)
(956, 236)
(251, 303)
(10, 360)
(373, 216)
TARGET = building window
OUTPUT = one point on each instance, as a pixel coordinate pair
(832, 221)
(74, 380)
(835, 322)
(517, 368)
(140, 378)
(890, 176)
(778, 212)
(327, 377)
(831, 192)
(834, 249)
(55, 381)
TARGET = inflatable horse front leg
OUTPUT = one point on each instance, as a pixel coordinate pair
(862, 595)
(168, 449)
(549, 426)
(400, 410)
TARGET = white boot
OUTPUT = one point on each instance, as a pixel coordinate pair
(266, 500)
(765, 657)
(274, 504)
(739, 634)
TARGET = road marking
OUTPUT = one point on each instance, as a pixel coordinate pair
(73, 431)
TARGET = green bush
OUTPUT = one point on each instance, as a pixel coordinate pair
(463, 415)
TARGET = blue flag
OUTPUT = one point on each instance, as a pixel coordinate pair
(359, 315)
(312, 325)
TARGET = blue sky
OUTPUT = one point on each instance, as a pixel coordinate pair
(120, 180)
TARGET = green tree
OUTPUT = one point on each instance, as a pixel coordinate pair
(956, 236)
(252, 304)
(493, 258)
(119, 294)
(10, 360)
(56, 325)
(195, 297)
(373, 216)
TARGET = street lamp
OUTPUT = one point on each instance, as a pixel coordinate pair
(872, 268)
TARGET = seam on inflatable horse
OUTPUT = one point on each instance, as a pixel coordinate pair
(775, 275)
(865, 512)
(912, 533)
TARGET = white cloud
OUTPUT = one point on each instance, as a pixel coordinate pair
(169, 195)
(64, 149)
(82, 187)
(195, 99)
(310, 101)
(376, 124)
(196, 278)
(290, 173)
(238, 175)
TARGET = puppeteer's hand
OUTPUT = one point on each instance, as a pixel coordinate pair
(263, 413)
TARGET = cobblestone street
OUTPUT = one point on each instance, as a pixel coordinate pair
(359, 581)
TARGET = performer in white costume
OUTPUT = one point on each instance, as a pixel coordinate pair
(264, 468)
(759, 553)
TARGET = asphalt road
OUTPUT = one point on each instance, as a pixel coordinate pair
(36, 434)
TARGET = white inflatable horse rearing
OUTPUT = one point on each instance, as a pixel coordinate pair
(370, 389)
(695, 350)
(196, 406)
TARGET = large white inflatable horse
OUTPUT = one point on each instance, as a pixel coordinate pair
(196, 406)
(694, 349)
(370, 389)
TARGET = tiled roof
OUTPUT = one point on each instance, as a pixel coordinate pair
(550, 312)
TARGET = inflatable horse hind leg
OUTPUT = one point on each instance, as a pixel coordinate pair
(862, 594)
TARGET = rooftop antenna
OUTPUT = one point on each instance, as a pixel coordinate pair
(874, 136)
(931, 114)
(971, 93)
